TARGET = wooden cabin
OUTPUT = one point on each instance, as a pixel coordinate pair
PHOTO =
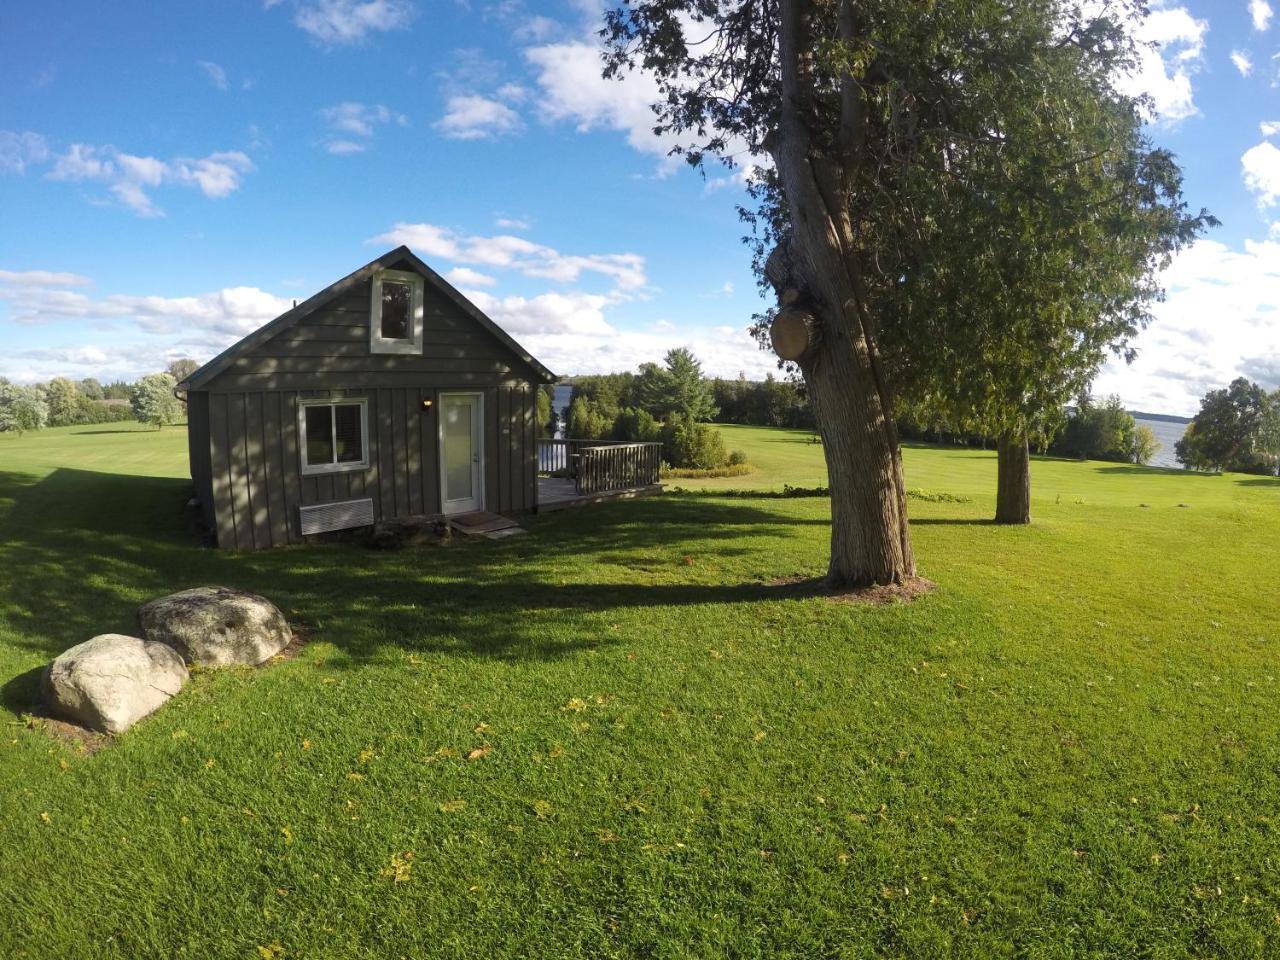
(387, 394)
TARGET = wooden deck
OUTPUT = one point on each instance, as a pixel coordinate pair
(559, 493)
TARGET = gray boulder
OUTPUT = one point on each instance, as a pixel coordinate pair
(111, 682)
(216, 626)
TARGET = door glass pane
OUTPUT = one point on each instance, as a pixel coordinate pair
(457, 450)
(349, 428)
(319, 435)
(397, 300)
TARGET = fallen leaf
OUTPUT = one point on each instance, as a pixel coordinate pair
(401, 865)
(366, 754)
(44, 816)
(453, 806)
(575, 705)
(479, 753)
(306, 744)
(541, 808)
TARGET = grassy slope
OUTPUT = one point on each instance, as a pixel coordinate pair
(1070, 749)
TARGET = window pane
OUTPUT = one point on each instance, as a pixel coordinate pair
(397, 301)
(319, 435)
(457, 451)
(350, 429)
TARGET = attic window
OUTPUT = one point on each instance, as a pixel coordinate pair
(395, 314)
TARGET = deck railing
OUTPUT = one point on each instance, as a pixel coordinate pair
(597, 466)
(618, 466)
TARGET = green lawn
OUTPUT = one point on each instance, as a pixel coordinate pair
(1071, 749)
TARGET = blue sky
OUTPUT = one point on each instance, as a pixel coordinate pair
(172, 175)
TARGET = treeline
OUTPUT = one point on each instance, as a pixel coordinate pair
(1237, 428)
(1091, 430)
(668, 404)
(63, 402)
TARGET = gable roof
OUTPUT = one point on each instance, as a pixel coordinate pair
(398, 256)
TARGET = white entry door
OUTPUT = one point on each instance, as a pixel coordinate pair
(461, 452)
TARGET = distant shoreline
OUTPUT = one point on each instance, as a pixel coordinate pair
(1163, 417)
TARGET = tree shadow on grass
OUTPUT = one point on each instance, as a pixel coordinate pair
(1134, 470)
(955, 522)
(80, 550)
(1260, 482)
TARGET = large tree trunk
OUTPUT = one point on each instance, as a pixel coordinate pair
(870, 538)
(1013, 480)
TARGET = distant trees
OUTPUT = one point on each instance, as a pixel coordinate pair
(153, 400)
(22, 408)
(766, 403)
(1236, 429)
(660, 404)
(1104, 431)
(64, 400)
(676, 387)
(543, 413)
(181, 368)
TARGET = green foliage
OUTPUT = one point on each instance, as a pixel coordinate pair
(637, 426)
(1094, 432)
(587, 421)
(691, 445)
(643, 681)
(1226, 433)
(1268, 440)
(736, 458)
(22, 408)
(64, 400)
(1145, 444)
(543, 412)
(153, 401)
(676, 387)
(767, 403)
(118, 390)
(91, 389)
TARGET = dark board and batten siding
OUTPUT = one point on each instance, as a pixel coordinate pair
(256, 468)
(246, 420)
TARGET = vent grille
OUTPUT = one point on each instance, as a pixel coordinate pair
(336, 516)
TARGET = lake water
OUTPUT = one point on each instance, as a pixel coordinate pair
(1168, 434)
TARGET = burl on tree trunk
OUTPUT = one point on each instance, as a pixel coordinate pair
(1013, 481)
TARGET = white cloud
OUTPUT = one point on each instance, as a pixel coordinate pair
(19, 150)
(1171, 51)
(573, 90)
(511, 223)
(466, 277)
(334, 23)
(1242, 62)
(217, 76)
(1260, 12)
(1218, 321)
(126, 175)
(353, 124)
(625, 270)
(1261, 167)
(41, 278)
(473, 117)
(343, 148)
(1269, 128)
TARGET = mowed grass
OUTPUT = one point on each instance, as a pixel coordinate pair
(1071, 748)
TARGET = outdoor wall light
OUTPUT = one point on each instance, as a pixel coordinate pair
(426, 404)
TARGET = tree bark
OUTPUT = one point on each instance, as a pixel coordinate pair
(1013, 479)
(870, 538)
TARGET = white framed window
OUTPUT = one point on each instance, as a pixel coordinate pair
(395, 313)
(333, 435)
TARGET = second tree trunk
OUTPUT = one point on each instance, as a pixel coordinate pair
(1013, 482)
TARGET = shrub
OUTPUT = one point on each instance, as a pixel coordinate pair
(686, 473)
(636, 425)
(22, 408)
(737, 458)
(691, 445)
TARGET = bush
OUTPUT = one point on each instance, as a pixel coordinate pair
(687, 473)
(637, 426)
(737, 458)
(691, 445)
